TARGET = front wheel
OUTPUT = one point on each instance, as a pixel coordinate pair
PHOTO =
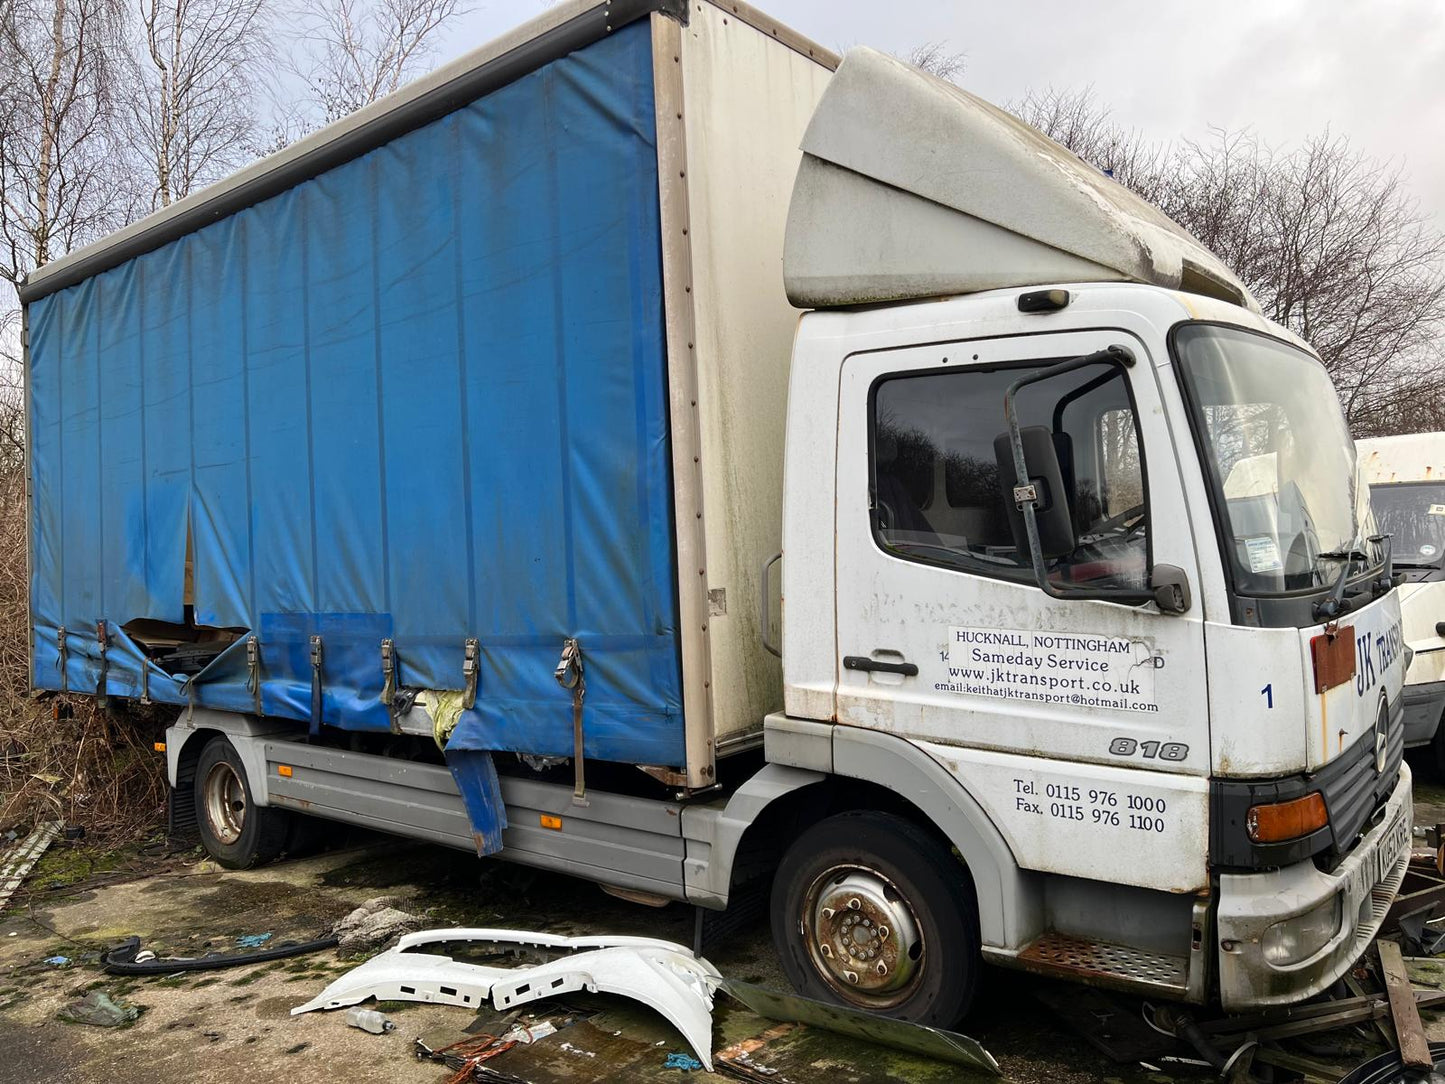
(871, 911)
(235, 831)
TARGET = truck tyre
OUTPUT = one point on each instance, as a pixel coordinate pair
(871, 911)
(1437, 749)
(235, 831)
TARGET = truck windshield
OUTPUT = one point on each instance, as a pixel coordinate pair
(1293, 507)
(1413, 515)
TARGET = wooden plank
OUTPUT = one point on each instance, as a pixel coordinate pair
(1414, 1050)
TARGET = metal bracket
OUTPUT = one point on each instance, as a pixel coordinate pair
(388, 671)
(253, 673)
(470, 665)
(316, 657)
(569, 675)
(388, 683)
(62, 657)
(1028, 494)
(102, 639)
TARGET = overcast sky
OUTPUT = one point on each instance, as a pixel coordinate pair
(1372, 71)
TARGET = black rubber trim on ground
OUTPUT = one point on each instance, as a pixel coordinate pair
(121, 959)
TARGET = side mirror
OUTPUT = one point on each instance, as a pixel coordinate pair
(1171, 589)
(1051, 510)
(1039, 501)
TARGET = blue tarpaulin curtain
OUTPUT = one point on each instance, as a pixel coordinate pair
(421, 396)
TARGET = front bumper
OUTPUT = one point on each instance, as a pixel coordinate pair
(1250, 903)
(1424, 704)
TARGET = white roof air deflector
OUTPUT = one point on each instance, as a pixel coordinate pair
(910, 187)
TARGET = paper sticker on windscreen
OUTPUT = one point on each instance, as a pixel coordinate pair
(1263, 554)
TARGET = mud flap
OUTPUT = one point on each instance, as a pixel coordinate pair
(476, 778)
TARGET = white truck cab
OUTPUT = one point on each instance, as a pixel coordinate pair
(1098, 549)
(1406, 475)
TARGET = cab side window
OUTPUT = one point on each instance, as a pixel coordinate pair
(937, 494)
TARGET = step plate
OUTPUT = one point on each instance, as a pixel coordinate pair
(1104, 964)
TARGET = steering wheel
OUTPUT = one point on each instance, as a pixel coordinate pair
(1122, 518)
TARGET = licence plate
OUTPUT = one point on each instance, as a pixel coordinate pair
(1387, 855)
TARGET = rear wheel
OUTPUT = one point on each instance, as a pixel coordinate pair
(235, 831)
(871, 911)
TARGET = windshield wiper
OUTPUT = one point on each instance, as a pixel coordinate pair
(1345, 555)
(1335, 606)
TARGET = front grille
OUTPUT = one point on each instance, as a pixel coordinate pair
(1351, 786)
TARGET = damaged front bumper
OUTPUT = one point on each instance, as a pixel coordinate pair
(1262, 915)
(661, 975)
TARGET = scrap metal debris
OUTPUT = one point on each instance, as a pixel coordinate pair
(662, 975)
(899, 1034)
(126, 958)
(21, 860)
(1388, 1069)
(466, 1065)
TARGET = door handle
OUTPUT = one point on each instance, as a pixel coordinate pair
(862, 662)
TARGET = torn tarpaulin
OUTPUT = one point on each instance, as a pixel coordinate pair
(476, 779)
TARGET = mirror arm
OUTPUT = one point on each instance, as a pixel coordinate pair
(1026, 495)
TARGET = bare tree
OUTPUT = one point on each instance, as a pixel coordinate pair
(1081, 123)
(193, 69)
(935, 58)
(60, 179)
(1328, 240)
(356, 51)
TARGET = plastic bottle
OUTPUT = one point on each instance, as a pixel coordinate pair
(369, 1020)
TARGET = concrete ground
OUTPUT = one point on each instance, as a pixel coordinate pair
(233, 1026)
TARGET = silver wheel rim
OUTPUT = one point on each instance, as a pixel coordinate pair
(862, 936)
(224, 797)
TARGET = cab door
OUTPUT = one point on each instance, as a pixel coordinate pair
(1079, 723)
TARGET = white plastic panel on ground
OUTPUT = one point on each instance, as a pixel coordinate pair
(747, 100)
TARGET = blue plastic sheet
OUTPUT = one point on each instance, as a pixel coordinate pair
(421, 396)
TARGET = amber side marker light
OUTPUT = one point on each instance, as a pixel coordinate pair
(1280, 821)
(549, 821)
(160, 747)
(285, 770)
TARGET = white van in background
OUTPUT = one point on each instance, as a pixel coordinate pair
(1407, 488)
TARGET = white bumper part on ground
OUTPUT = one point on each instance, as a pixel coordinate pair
(660, 974)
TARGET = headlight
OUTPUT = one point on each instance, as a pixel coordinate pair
(1299, 938)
